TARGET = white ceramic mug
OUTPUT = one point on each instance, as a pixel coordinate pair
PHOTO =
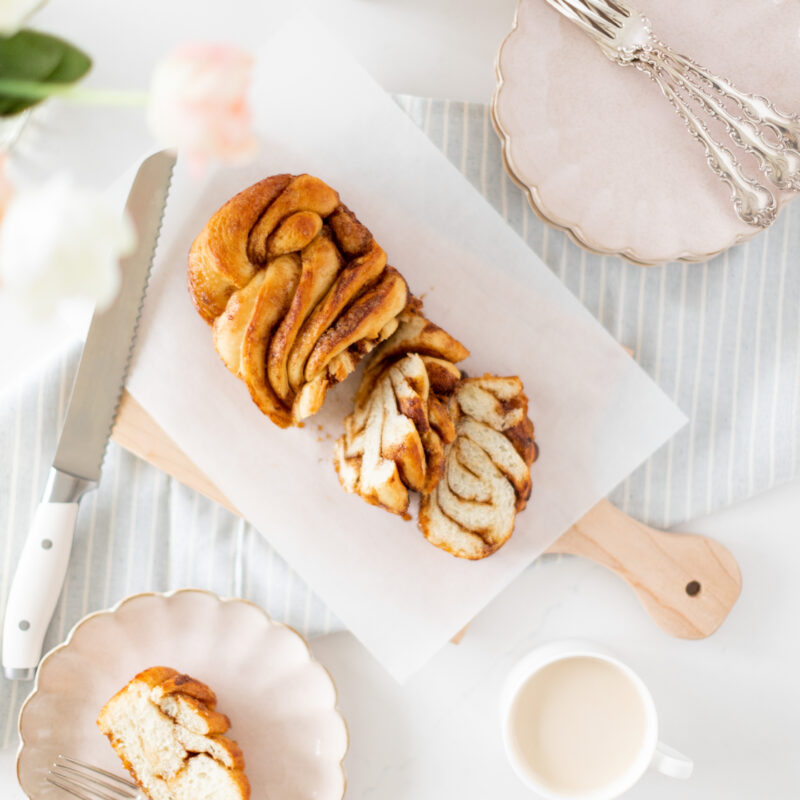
(651, 753)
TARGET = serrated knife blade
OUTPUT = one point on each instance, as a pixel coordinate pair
(90, 415)
(106, 354)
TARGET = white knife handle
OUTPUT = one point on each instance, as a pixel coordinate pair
(36, 586)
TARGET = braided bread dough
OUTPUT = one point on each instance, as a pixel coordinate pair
(297, 291)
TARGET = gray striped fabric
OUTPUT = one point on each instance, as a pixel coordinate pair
(721, 338)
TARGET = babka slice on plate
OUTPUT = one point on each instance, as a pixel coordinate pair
(165, 728)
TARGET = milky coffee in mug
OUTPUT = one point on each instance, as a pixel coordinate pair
(579, 724)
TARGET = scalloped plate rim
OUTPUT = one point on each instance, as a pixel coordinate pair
(573, 229)
(166, 596)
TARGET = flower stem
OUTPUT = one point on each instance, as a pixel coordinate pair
(35, 90)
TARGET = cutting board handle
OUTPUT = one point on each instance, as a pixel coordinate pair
(687, 583)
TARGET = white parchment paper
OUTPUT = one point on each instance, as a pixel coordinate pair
(597, 415)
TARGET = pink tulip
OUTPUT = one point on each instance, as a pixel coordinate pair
(198, 103)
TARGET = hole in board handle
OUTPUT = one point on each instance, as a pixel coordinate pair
(693, 588)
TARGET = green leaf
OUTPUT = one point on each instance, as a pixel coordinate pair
(39, 57)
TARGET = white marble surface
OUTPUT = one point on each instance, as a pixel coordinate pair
(731, 701)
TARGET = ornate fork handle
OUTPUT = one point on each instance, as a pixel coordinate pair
(751, 122)
(754, 203)
(780, 163)
(756, 108)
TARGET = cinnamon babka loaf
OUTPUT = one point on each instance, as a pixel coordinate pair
(297, 291)
(164, 727)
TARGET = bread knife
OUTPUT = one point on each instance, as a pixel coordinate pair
(81, 447)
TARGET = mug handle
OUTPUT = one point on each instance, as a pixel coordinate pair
(669, 761)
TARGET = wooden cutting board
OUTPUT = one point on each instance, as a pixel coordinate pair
(687, 583)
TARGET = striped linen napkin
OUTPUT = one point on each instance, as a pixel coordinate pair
(722, 338)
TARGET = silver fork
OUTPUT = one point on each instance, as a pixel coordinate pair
(751, 122)
(91, 783)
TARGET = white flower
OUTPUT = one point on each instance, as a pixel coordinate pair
(13, 14)
(60, 243)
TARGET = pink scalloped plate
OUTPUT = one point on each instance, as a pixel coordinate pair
(601, 152)
(281, 701)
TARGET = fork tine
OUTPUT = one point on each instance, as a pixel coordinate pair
(83, 792)
(594, 22)
(66, 788)
(91, 768)
(567, 11)
(619, 7)
(89, 781)
(606, 11)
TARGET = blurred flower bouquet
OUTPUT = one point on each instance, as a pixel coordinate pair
(60, 242)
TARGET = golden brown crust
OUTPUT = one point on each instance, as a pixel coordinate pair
(443, 375)
(301, 193)
(361, 322)
(415, 334)
(125, 763)
(521, 436)
(320, 264)
(208, 721)
(156, 675)
(294, 233)
(472, 546)
(348, 285)
(353, 238)
(241, 781)
(151, 676)
(218, 261)
(167, 687)
(184, 684)
(297, 290)
(274, 298)
(234, 753)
